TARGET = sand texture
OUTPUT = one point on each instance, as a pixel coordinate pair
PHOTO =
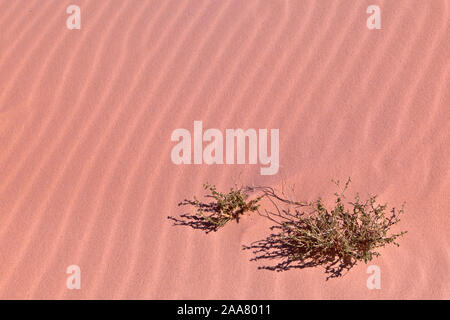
(86, 117)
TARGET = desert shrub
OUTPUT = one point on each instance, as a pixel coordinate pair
(304, 234)
(311, 234)
(225, 207)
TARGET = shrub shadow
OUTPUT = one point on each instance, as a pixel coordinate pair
(196, 221)
(286, 257)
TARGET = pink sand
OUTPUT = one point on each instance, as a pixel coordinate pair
(86, 117)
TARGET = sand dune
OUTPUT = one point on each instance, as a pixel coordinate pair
(86, 118)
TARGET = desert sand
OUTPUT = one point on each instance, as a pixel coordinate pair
(86, 117)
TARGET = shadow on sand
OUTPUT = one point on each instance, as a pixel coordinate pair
(196, 221)
(277, 255)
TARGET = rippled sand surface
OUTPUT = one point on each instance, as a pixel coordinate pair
(86, 117)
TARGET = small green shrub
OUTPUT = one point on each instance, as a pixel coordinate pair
(225, 207)
(228, 206)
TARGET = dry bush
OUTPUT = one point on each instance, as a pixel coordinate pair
(310, 234)
(225, 207)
